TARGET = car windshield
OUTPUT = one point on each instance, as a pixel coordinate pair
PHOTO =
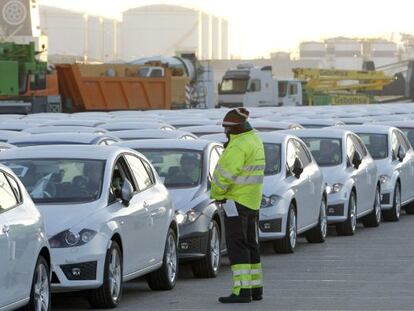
(326, 151)
(273, 161)
(377, 145)
(409, 132)
(178, 168)
(60, 180)
(39, 143)
(234, 86)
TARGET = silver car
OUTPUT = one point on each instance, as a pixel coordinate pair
(25, 256)
(187, 167)
(394, 157)
(354, 191)
(294, 196)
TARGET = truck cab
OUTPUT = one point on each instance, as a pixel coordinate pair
(249, 86)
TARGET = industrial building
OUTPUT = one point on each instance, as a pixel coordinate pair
(141, 32)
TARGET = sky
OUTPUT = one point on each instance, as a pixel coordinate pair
(262, 26)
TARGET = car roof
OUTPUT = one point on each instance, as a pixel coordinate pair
(368, 128)
(274, 137)
(334, 132)
(59, 137)
(64, 152)
(152, 133)
(199, 144)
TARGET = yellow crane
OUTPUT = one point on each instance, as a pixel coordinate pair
(332, 86)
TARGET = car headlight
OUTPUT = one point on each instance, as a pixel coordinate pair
(335, 188)
(68, 238)
(268, 201)
(191, 216)
(384, 179)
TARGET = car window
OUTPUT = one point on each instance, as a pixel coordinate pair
(377, 144)
(120, 173)
(141, 175)
(7, 197)
(394, 145)
(350, 148)
(214, 157)
(180, 168)
(15, 187)
(409, 132)
(326, 151)
(149, 170)
(402, 141)
(303, 154)
(60, 180)
(272, 159)
(359, 146)
(290, 154)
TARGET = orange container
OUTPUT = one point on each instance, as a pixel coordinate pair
(85, 92)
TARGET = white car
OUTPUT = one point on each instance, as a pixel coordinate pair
(109, 218)
(394, 157)
(354, 191)
(25, 255)
(187, 167)
(294, 197)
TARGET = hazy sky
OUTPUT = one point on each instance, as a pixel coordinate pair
(262, 26)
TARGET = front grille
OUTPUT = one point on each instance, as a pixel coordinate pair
(80, 271)
(274, 225)
(385, 198)
(336, 210)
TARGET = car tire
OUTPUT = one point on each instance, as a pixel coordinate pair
(348, 227)
(319, 233)
(287, 244)
(209, 266)
(40, 292)
(165, 277)
(409, 209)
(374, 218)
(109, 294)
(394, 213)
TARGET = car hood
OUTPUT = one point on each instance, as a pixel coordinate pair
(384, 167)
(185, 198)
(334, 174)
(273, 184)
(60, 217)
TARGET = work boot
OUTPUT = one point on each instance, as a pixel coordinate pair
(245, 296)
(257, 294)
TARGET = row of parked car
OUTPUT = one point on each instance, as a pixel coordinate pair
(91, 200)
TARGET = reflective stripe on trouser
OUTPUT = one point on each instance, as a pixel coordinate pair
(246, 276)
(256, 275)
(241, 277)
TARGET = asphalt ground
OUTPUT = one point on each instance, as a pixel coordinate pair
(372, 270)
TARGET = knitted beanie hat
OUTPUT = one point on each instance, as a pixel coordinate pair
(236, 117)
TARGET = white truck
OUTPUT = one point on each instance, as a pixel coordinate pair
(249, 86)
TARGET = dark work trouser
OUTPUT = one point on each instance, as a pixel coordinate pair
(243, 250)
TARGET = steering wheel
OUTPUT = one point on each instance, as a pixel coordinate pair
(46, 194)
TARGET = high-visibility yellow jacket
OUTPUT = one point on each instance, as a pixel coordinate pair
(240, 171)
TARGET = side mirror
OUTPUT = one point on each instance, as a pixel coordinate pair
(127, 192)
(401, 153)
(297, 168)
(356, 160)
(252, 87)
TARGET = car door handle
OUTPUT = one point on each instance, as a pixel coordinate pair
(6, 229)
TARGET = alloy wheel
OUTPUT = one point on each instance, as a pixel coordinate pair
(41, 289)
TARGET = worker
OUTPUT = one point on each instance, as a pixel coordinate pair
(237, 184)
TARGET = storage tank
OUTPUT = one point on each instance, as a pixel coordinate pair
(344, 53)
(382, 52)
(312, 50)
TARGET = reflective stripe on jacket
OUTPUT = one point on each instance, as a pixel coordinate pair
(240, 171)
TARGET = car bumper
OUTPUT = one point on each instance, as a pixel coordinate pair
(79, 268)
(387, 198)
(194, 238)
(272, 223)
(337, 207)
